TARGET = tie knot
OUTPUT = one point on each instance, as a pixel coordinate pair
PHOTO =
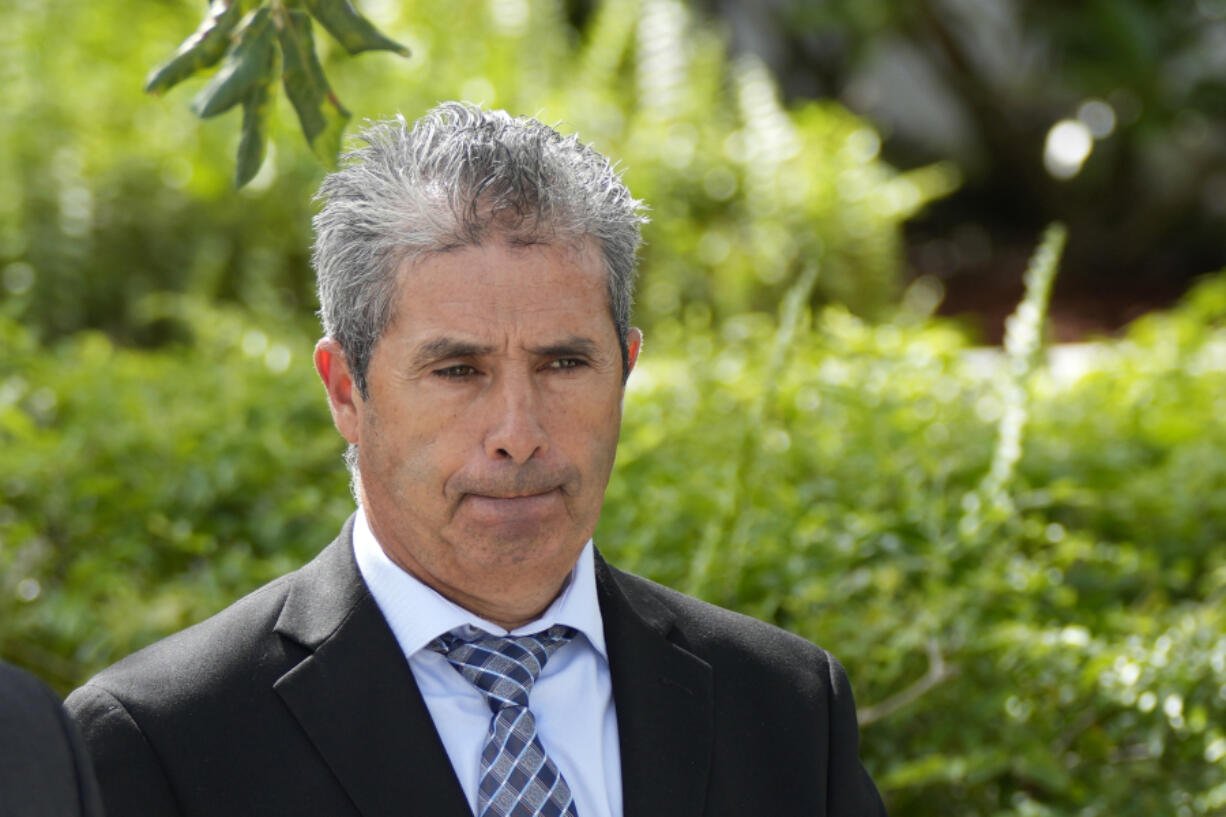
(504, 668)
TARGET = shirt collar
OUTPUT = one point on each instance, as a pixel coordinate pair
(417, 614)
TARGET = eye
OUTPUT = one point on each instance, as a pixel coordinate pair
(565, 363)
(458, 372)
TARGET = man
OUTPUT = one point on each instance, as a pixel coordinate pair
(461, 648)
(44, 769)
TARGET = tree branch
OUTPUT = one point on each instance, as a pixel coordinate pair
(938, 672)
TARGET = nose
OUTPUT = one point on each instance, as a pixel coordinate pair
(515, 432)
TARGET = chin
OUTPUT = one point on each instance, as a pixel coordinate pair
(516, 546)
(521, 558)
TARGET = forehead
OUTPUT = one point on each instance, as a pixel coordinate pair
(500, 287)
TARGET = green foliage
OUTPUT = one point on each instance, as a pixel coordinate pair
(322, 117)
(201, 50)
(351, 29)
(107, 196)
(1068, 659)
(248, 64)
(142, 491)
(250, 69)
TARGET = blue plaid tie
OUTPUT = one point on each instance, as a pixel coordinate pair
(517, 778)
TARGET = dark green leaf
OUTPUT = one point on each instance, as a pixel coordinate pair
(256, 107)
(351, 29)
(321, 114)
(244, 67)
(201, 50)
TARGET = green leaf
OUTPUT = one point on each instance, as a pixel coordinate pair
(202, 49)
(246, 65)
(351, 29)
(320, 113)
(257, 105)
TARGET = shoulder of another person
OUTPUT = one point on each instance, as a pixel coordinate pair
(21, 686)
(43, 765)
(26, 703)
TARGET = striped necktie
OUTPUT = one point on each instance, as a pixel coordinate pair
(517, 778)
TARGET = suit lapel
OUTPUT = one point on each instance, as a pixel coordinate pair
(663, 696)
(356, 698)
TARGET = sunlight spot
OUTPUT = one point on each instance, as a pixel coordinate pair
(18, 277)
(863, 145)
(720, 183)
(776, 441)
(478, 90)
(1075, 636)
(510, 16)
(1069, 143)
(255, 343)
(278, 359)
(28, 589)
(1098, 116)
(713, 247)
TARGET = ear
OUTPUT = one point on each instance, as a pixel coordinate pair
(634, 344)
(343, 397)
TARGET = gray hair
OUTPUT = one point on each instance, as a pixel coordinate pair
(458, 177)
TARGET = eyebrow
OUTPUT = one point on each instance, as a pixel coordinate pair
(445, 348)
(573, 346)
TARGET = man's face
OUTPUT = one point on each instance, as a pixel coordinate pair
(488, 435)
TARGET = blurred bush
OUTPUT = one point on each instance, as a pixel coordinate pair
(1068, 658)
(142, 491)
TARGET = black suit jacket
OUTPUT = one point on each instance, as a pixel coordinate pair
(44, 769)
(297, 700)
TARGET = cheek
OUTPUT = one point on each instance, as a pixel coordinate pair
(402, 456)
(595, 434)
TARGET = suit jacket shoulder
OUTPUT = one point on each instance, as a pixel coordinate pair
(178, 671)
(711, 629)
(294, 700)
(777, 711)
(166, 722)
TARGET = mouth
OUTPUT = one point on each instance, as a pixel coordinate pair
(512, 507)
(524, 495)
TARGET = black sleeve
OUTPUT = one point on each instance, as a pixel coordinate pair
(44, 770)
(851, 791)
(130, 776)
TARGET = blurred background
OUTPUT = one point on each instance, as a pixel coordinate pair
(1009, 530)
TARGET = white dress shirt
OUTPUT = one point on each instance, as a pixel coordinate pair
(572, 701)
